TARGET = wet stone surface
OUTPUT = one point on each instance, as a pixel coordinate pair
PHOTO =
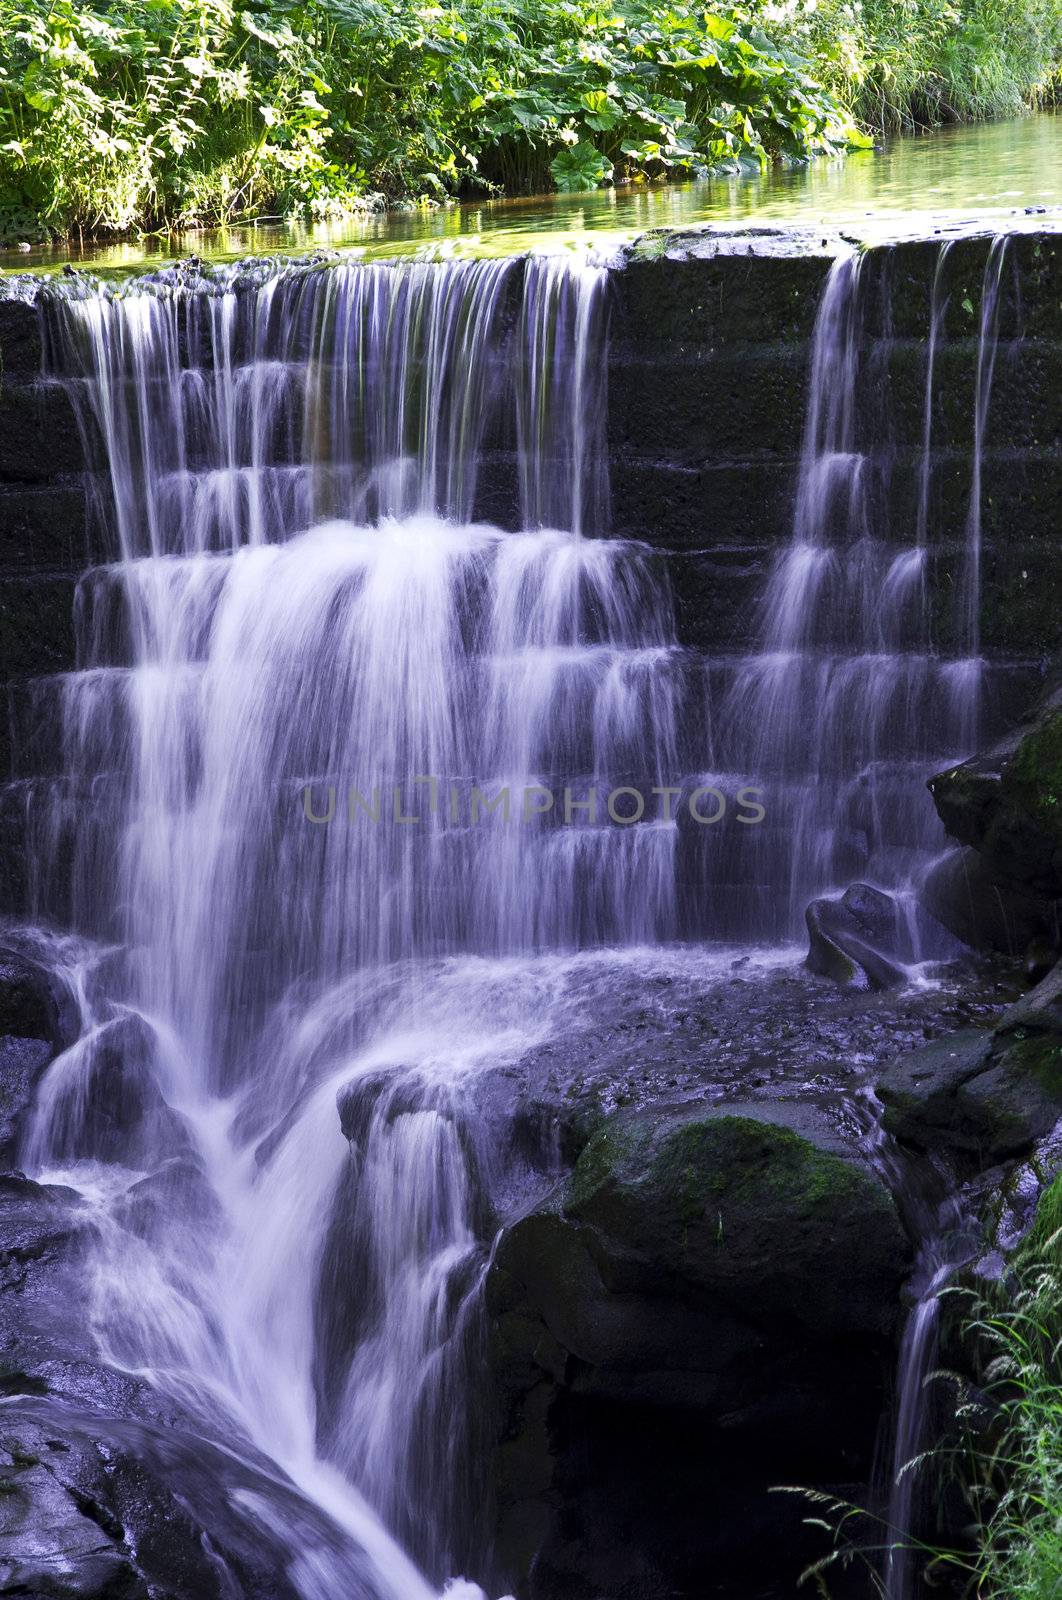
(749, 1031)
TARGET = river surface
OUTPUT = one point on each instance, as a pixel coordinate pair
(956, 173)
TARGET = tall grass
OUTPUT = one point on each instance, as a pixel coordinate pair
(1015, 1476)
(1001, 1459)
(899, 65)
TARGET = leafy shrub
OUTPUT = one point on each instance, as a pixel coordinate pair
(125, 114)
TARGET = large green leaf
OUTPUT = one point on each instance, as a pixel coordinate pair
(579, 166)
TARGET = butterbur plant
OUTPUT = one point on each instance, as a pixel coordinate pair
(579, 166)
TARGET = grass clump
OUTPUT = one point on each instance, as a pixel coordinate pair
(899, 65)
(1016, 1477)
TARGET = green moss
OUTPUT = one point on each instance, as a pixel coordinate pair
(702, 1167)
(1034, 775)
(609, 1150)
(1038, 1056)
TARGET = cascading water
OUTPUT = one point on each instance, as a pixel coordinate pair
(323, 766)
(334, 793)
(938, 306)
(948, 1236)
(846, 704)
(987, 345)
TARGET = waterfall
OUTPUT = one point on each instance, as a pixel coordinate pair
(938, 307)
(918, 1349)
(331, 742)
(358, 764)
(844, 652)
(846, 643)
(987, 346)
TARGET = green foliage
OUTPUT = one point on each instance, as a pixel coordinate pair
(579, 166)
(124, 114)
(904, 64)
(1014, 1476)
(1004, 1452)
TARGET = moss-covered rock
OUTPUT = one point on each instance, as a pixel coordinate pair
(1007, 804)
(705, 1282)
(1033, 778)
(982, 1096)
(745, 1208)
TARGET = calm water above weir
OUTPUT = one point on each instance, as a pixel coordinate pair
(962, 172)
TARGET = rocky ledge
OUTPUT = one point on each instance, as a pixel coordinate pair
(1005, 807)
(709, 1299)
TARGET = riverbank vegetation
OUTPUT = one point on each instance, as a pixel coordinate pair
(132, 115)
(1013, 1458)
(995, 1474)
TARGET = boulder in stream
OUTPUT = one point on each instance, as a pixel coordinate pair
(856, 939)
(711, 1297)
(983, 1096)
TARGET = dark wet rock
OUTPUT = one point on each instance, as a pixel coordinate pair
(44, 1316)
(109, 1106)
(1007, 804)
(100, 1509)
(982, 1096)
(22, 1062)
(29, 1008)
(856, 939)
(983, 911)
(706, 1281)
(177, 1187)
(379, 1096)
(1039, 1010)
(54, 1539)
(34, 1020)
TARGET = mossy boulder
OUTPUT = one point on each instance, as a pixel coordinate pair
(743, 1207)
(1033, 778)
(1007, 804)
(983, 1096)
(709, 1286)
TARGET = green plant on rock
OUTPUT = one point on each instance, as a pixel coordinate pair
(1005, 1451)
(1014, 1462)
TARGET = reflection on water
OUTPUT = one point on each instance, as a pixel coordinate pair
(962, 171)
